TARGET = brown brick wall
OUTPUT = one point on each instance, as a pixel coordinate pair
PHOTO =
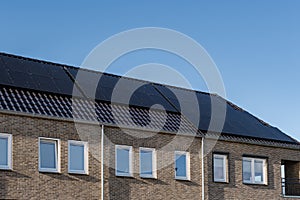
(26, 182)
(165, 186)
(236, 189)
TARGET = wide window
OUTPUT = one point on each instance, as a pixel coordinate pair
(5, 151)
(220, 166)
(182, 165)
(123, 160)
(147, 163)
(78, 157)
(254, 170)
(49, 155)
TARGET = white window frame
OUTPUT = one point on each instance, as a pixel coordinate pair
(57, 154)
(153, 151)
(224, 157)
(85, 159)
(187, 167)
(252, 160)
(9, 151)
(130, 161)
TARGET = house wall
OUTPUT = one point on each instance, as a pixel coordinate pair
(26, 182)
(165, 186)
(236, 189)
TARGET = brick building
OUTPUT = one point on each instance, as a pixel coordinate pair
(63, 138)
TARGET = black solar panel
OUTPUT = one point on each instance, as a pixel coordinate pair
(185, 101)
(237, 122)
(111, 88)
(35, 75)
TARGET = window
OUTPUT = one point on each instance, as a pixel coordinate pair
(78, 157)
(182, 165)
(254, 170)
(5, 151)
(147, 163)
(123, 160)
(220, 164)
(49, 155)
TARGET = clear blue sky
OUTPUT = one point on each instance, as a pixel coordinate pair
(255, 43)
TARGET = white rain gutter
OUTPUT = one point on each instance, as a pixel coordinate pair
(202, 167)
(102, 162)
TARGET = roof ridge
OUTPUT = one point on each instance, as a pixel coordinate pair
(34, 60)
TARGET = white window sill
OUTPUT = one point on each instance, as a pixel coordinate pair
(182, 178)
(78, 172)
(124, 175)
(149, 177)
(220, 181)
(6, 168)
(250, 183)
(49, 171)
(289, 196)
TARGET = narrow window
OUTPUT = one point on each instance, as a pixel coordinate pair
(247, 174)
(49, 155)
(220, 164)
(254, 170)
(5, 151)
(123, 160)
(78, 157)
(182, 165)
(147, 163)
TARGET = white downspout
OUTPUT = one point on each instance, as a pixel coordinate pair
(202, 167)
(102, 162)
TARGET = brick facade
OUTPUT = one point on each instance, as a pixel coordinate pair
(26, 182)
(165, 186)
(236, 189)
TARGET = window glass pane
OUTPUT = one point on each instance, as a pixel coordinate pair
(76, 157)
(247, 170)
(180, 165)
(3, 151)
(219, 168)
(146, 162)
(258, 169)
(122, 160)
(47, 153)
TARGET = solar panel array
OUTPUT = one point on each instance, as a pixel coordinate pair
(34, 75)
(45, 77)
(120, 90)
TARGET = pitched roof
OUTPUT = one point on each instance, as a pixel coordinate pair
(45, 88)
